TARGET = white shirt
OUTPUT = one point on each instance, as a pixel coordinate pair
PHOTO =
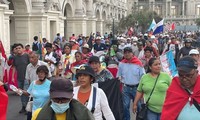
(50, 57)
(31, 71)
(101, 104)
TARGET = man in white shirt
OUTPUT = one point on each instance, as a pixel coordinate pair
(32, 67)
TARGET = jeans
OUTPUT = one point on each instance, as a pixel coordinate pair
(23, 84)
(153, 115)
(128, 93)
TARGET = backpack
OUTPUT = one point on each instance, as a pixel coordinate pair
(57, 58)
(35, 46)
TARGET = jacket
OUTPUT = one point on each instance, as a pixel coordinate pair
(77, 111)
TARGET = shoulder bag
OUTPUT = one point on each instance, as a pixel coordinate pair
(142, 114)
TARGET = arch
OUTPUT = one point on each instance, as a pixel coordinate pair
(66, 4)
(98, 14)
(104, 15)
(22, 6)
(68, 10)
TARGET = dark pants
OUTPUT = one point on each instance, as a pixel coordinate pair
(29, 115)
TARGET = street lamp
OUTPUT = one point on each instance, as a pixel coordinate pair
(113, 28)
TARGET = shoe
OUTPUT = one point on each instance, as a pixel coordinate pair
(22, 110)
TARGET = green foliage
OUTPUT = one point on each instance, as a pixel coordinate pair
(198, 22)
(140, 19)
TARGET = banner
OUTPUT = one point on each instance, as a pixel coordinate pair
(168, 64)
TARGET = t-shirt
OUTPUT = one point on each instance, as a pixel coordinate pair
(189, 112)
(58, 116)
(83, 97)
(20, 63)
(158, 96)
(100, 47)
(40, 93)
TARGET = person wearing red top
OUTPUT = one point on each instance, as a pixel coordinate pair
(149, 44)
(3, 102)
(183, 93)
(27, 49)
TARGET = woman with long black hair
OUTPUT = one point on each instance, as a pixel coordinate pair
(161, 80)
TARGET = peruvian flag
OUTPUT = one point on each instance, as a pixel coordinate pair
(173, 26)
(3, 63)
(130, 32)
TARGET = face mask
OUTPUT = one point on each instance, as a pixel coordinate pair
(59, 108)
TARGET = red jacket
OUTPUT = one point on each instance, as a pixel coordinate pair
(176, 99)
(3, 103)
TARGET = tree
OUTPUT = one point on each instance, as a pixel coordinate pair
(198, 22)
(139, 19)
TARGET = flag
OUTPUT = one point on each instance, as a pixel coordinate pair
(3, 62)
(130, 32)
(41, 50)
(153, 24)
(158, 27)
(173, 26)
(167, 27)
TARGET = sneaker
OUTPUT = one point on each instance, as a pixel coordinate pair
(22, 110)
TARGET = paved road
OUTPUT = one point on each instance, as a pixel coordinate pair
(15, 106)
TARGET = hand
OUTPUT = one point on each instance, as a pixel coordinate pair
(134, 108)
(1, 83)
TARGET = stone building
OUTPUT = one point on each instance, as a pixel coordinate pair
(23, 19)
(182, 12)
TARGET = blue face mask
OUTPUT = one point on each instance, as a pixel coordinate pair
(59, 108)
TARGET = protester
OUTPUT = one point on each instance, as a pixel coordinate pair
(33, 66)
(184, 51)
(75, 46)
(183, 96)
(194, 53)
(67, 59)
(98, 46)
(20, 61)
(86, 51)
(3, 102)
(27, 49)
(149, 44)
(161, 81)
(62, 106)
(12, 72)
(51, 58)
(35, 45)
(148, 54)
(130, 72)
(86, 93)
(100, 73)
(39, 89)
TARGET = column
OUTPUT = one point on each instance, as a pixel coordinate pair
(89, 11)
(183, 8)
(166, 8)
(78, 10)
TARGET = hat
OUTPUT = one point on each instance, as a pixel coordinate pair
(27, 45)
(85, 70)
(86, 46)
(72, 40)
(186, 64)
(61, 88)
(94, 59)
(194, 52)
(128, 49)
(98, 38)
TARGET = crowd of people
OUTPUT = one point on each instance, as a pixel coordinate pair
(97, 77)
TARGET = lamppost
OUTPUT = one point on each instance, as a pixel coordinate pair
(113, 28)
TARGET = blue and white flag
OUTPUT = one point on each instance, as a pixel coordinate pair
(168, 64)
(153, 24)
(158, 27)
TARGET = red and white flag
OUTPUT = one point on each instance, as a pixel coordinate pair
(173, 26)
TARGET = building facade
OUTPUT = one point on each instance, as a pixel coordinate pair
(23, 19)
(182, 12)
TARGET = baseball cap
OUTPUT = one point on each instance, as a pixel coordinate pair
(186, 64)
(61, 88)
(94, 59)
(85, 70)
(128, 49)
(194, 52)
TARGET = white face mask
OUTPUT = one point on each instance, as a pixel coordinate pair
(122, 44)
(59, 108)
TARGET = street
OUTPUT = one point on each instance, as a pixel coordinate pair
(14, 107)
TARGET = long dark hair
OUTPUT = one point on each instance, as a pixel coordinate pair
(151, 61)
